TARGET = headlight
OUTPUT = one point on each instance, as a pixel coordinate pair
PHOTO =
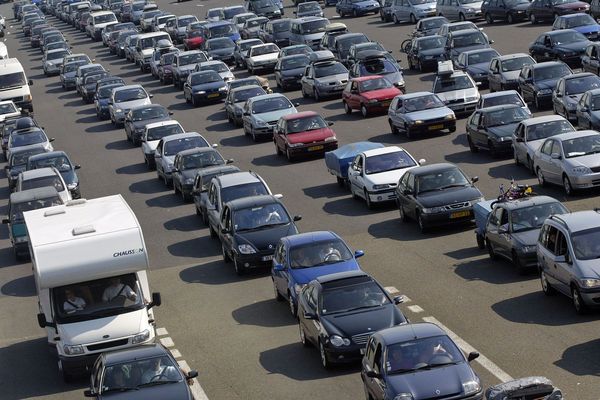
(528, 249)
(331, 138)
(170, 166)
(478, 200)
(473, 98)
(298, 144)
(450, 116)
(399, 83)
(72, 186)
(246, 249)
(339, 341)
(432, 210)
(417, 122)
(471, 387)
(200, 92)
(544, 91)
(404, 396)
(72, 350)
(582, 170)
(298, 288)
(223, 89)
(141, 337)
(21, 239)
(118, 110)
(470, 10)
(260, 123)
(589, 282)
(379, 187)
(27, 97)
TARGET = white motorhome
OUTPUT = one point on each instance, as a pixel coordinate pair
(91, 271)
(14, 84)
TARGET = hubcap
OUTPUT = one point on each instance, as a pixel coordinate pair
(302, 336)
(323, 356)
(540, 177)
(576, 302)
(567, 185)
(291, 303)
(544, 281)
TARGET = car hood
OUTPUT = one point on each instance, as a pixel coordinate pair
(275, 115)
(576, 46)
(381, 94)
(449, 196)
(589, 268)
(69, 176)
(208, 86)
(480, 68)
(527, 238)
(387, 177)
(264, 57)
(361, 321)
(310, 136)
(587, 28)
(511, 75)
(590, 161)
(151, 144)
(446, 381)
(304, 275)
(92, 331)
(333, 78)
(177, 390)
(292, 72)
(394, 77)
(147, 52)
(458, 94)
(547, 83)
(366, 3)
(225, 51)
(265, 239)
(313, 36)
(572, 6)
(437, 112)
(503, 130)
(128, 105)
(187, 67)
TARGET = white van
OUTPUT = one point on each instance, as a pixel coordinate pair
(90, 266)
(14, 84)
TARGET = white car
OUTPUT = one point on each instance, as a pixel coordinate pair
(41, 177)
(374, 174)
(152, 135)
(262, 57)
(169, 147)
(456, 89)
(8, 110)
(219, 66)
(125, 98)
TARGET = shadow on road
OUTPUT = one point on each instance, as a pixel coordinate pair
(20, 287)
(187, 223)
(498, 272)
(328, 191)
(132, 169)
(148, 186)
(267, 313)
(216, 272)
(581, 359)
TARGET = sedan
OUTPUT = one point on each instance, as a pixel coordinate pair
(588, 110)
(241, 51)
(41, 177)
(236, 98)
(304, 133)
(101, 99)
(262, 57)
(418, 113)
(369, 94)
(580, 22)
(252, 27)
(569, 90)
(425, 52)
(510, 11)
(261, 113)
(221, 48)
(124, 99)
(186, 165)
(137, 119)
(325, 78)
(356, 8)
(476, 64)
(429, 26)
(153, 133)
(218, 66)
(566, 45)
(537, 81)
(289, 71)
(437, 194)
(52, 61)
(504, 97)
(168, 147)
(338, 313)
(62, 163)
(548, 10)
(201, 184)
(304, 257)
(375, 63)
(204, 86)
(503, 71)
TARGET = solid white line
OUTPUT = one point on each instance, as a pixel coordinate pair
(467, 348)
(416, 309)
(167, 342)
(161, 332)
(176, 353)
(196, 389)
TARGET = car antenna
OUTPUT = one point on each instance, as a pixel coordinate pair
(413, 331)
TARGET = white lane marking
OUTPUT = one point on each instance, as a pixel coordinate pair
(196, 389)
(176, 353)
(416, 309)
(167, 342)
(161, 332)
(391, 290)
(467, 348)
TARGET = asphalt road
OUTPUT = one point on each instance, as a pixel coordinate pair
(244, 344)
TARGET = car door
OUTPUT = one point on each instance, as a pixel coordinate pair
(394, 112)
(354, 99)
(494, 75)
(492, 228)
(281, 277)
(279, 135)
(403, 10)
(247, 117)
(356, 175)
(546, 10)
(519, 145)
(376, 386)
(562, 264)
(158, 157)
(225, 231)
(583, 111)
(309, 300)
(553, 171)
(175, 173)
(542, 157)
(308, 79)
(212, 206)
(526, 83)
(474, 125)
(557, 98)
(545, 255)
(452, 9)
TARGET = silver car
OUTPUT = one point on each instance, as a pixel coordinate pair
(412, 10)
(219, 67)
(262, 57)
(461, 10)
(236, 98)
(261, 113)
(503, 71)
(502, 98)
(569, 90)
(309, 9)
(531, 133)
(124, 99)
(569, 159)
(588, 110)
(52, 61)
(324, 79)
(457, 90)
(420, 113)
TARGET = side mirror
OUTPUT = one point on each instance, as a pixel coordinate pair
(398, 300)
(490, 41)
(192, 374)
(225, 231)
(51, 139)
(372, 374)
(42, 321)
(474, 179)
(477, 83)
(156, 300)
(278, 267)
(170, 112)
(229, 161)
(89, 393)
(422, 161)
(297, 218)
(519, 139)
(151, 95)
(472, 355)
(558, 94)
(330, 123)
(503, 229)
(77, 166)
(584, 109)
(5, 221)
(407, 192)
(309, 315)
(296, 104)
(30, 82)
(555, 156)
(359, 253)
(214, 145)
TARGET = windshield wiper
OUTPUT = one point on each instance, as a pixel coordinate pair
(362, 308)
(120, 389)
(453, 185)
(156, 383)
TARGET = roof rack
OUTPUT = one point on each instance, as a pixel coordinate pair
(557, 218)
(445, 68)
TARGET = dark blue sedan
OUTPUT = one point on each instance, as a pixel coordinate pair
(204, 86)
(356, 8)
(301, 258)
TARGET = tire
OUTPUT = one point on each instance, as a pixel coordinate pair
(472, 147)
(533, 19)
(540, 176)
(567, 186)
(303, 340)
(324, 361)
(239, 269)
(288, 155)
(516, 158)
(480, 241)
(530, 165)
(510, 18)
(226, 257)
(194, 101)
(347, 108)
(489, 19)
(278, 295)
(537, 103)
(393, 128)
(316, 95)
(368, 201)
(461, 17)
(395, 20)
(185, 197)
(340, 181)
(407, 132)
(204, 217)
(278, 150)
(292, 307)
(421, 222)
(521, 269)
(490, 250)
(166, 181)
(580, 307)
(364, 111)
(355, 14)
(413, 19)
(546, 287)
(403, 216)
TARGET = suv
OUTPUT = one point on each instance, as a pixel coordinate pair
(567, 253)
(308, 30)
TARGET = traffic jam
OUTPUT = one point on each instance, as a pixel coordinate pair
(266, 67)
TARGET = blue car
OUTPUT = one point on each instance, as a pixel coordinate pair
(356, 8)
(580, 22)
(222, 29)
(101, 100)
(302, 258)
(204, 86)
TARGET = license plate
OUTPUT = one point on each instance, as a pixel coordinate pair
(386, 103)
(315, 148)
(434, 127)
(213, 95)
(267, 258)
(460, 214)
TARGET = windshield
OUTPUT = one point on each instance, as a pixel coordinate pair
(579, 20)
(529, 218)
(515, 64)
(388, 162)
(293, 50)
(200, 78)
(351, 297)
(185, 21)
(422, 103)
(246, 45)
(581, 85)
(139, 373)
(7, 108)
(586, 244)
(471, 39)
(420, 354)
(217, 67)
(106, 91)
(314, 26)
(459, 26)
(150, 14)
(17, 209)
(430, 43)
(97, 299)
(310, 6)
(281, 26)
(271, 104)
(551, 72)
(262, 3)
(12, 80)
(193, 58)
(505, 117)
(595, 103)
(214, 13)
(61, 163)
(245, 190)
(253, 23)
(546, 129)
(481, 57)
(468, 1)
(201, 160)
(581, 146)
(259, 217)
(146, 43)
(229, 13)
(223, 29)
(138, 6)
(460, 82)
(244, 82)
(173, 147)
(159, 132)
(377, 67)
(373, 84)
(57, 54)
(305, 124)
(441, 180)
(263, 49)
(130, 95)
(53, 181)
(124, 35)
(294, 62)
(243, 18)
(566, 37)
(345, 44)
(149, 113)
(329, 69)
(243, 95)
(503, 99)
(319, 253)
(27, 138)
(220, 43)
(433, 23)
(102, 19)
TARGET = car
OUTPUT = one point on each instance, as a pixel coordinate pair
(261, 114)
(412, 10)
(230, 12)
(236, 99)
(548, 10)
(437, 194)
(177, 28)
(425, 52)
(169, 146)
(193, 40)
(504, 97)
(308, 31)
(241, 18)
(28, 138)
(153, 133)
(251, 80)
(590, 60)
(476, 63)
(8, 110)
(308, 9)
(129, 46)
(145, 46)
(304, 133)
(101, 99)
(503, 71)
(445, 29)
(97, 22)
(241, 51)
(580, 22)
(374, 174)
(201, 183)
(225, 188)
(460, 41)
(59, 160)
(186, 165)
(343, 43)
(295, 49)
(513, 228)
(42, 177)
(262, 57)
(565, 45)
(331, 31)
(510, 11)
(569, 159)
(250, 228)
(276, 31)
(567, 253)
(203, 87)
(155, 60)
(217, 66)
(147, 18)
(123, 42)
(272, 9)
(303, 257)
(587, 113)
(356, 8)
(221, 29)
(429, 26)
(369, 94)
(252, 27)
(17, 162)
(83, 71)
(357, 51)
(405, 359)
(145, 368)
(459, 10)
(220, 49)
(418, 113)
(328, 316)
(88, 86)
(184, 63)
(569, 90)
(214, 14)
(324, 79)
(52, 61)
(159, 21)
(164, 68)
(537, 81)
(456, 89)
(375, 63)
(124, 99)
(138, 117)
(289, 71)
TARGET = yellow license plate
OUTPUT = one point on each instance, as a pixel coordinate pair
(213, 95)
(460, 214)
(433, 127)
(315, 148)
(385, 103)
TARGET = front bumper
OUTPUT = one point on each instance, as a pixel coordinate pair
(471, 16)
(462, 107)
(262, 259)
(380, 196)
(266, 66)
(528, 260)
(330, 90)
(264, 130)
(78, 365)
(572, 61)
(585, 181)
(448, 217)
(590, 297)
(314, 148)
(433, 126)
(207, 97)
(344, 354)
(69, 83)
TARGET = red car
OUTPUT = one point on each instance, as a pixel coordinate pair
(193, 40)
(303, 133)
(369, 94)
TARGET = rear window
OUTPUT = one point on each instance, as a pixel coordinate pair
(53, 181)
(173, 147)
(245, 190)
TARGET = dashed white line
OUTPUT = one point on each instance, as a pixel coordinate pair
(415, 308)
(167, 342)
(161, 332)
(176, 353)
(467, 348)
(196, 389)
(391, 290)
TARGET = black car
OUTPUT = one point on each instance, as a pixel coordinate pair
(429, 26)
(425, 52)
(220, 49)
(338, 313)
(289, 70)
(143, 372)
(186, 165)
(437, 194)
(547, 10)
(88, 88)
(59, 160)
(203, 87)
(565, 45)
(250, 228)
(590, 60)
(510, 11)
(200, 188)
(513, 228)
(137, 118)
(491, 128)
(538, 81)
(17, 162)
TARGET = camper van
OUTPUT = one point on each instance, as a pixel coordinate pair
(91, 272)
(14, 84)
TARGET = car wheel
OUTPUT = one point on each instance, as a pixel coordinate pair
(530, 165)
(489, 19)
(413, 19)
(340, 181)
(537, 103)
(278, 150)
(184, 196)
(368, 200)
(289, 155)
(403, 216)
(166, 180)
(567, 185)
(278, 295)
(392, 127)
(461, 17)
(302, 334)
(395, 19)
(533, 19)
(421, 223)
(239, 269)
(253, 135)
(410, 64)
(304, 95)
(213, 234)
(316, 95)
(490, 249)
(510, 19)
(292, 306)
(480, 241)
(364, 111)
(185, 96)
(204, 217)
(407, 131)
(540, 176)
(347, 108)
(580, 307)
(324, 361)
(472, 147)
(226, 257)
(546, 287)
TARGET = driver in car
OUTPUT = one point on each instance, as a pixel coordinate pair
(117, 289)
(158, 372)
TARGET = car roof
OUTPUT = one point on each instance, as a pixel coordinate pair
(178, 136)
(218, 23)
(217, 169)
(341, 276)
(527, 201)
(245, 87)
(401, 333)
(162, 123)
(252, 201)
(308, 19)
(413, 95)
(542, 119)
(579, 220)
(499, 108)
(33, 194)
(427, 169)
(498, 94)
(49, 154)
(349, 35)
(463, 32)
(511, 56)
(577, 75)
(237, 178)
(574, 135)
(575, 15)
(129, 87)
(212, 62)
(38, 173)
(134, 353)
(197, 150)
(298, 115)
(486, 50)
(309, 237)
(154, 105)
(557, 32)
(382, 150)
(429, 37)
(266, 96)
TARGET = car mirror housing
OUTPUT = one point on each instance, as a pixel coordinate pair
(310, 315)
(372, 374)
(398, 300)
(278, 267)
(359, 253)
(5, 221)
(474, 179)
(191, 374)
